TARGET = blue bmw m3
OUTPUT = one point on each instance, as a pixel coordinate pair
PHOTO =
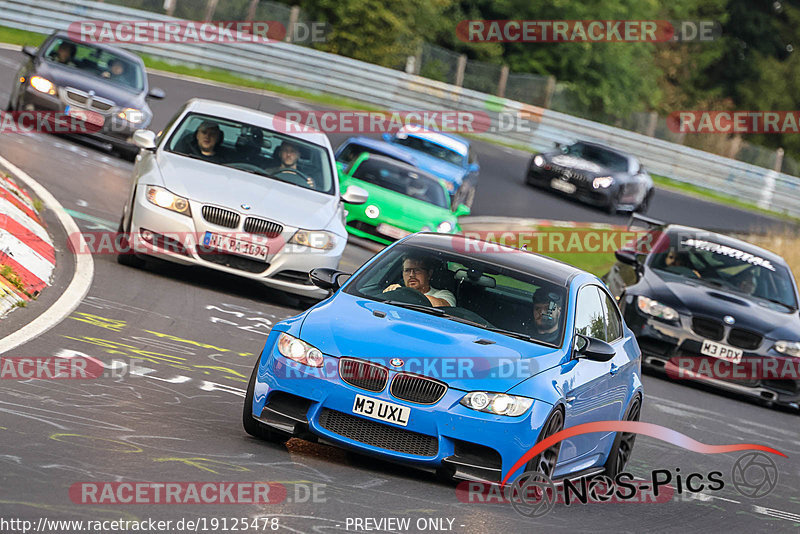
(454, 355)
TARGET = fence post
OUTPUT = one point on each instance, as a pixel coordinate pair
(548, 91)
(169, 7)
(462, 66)
(418, 60)
(210, 8)
(501, 85)
(652, 123)
(294, 15)
(251, 10)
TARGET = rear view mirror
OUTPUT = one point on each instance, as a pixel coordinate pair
(355, 195)
(628, 257)
(29, 51)
(325, 278)
(156, 93)
(145, 139)
(593, 349)
(474, 277)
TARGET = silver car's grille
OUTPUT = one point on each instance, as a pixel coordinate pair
(262, 226)
(221, 217)
(76, 97)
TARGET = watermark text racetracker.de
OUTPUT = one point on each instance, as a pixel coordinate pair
(734, 122)
(151, 525)
(393, 121)
(196, 31)
(48, 122)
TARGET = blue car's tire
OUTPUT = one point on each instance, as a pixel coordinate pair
(545, 462)
(251, 426)
(622, 448)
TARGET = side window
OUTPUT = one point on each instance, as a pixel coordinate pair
(613, 320)
(589, 314)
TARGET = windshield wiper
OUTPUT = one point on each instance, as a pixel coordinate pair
(511, 333)
(777, 302)
(417, 307)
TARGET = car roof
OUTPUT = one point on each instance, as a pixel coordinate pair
(608, 149)
(727, 241)
(383, 146)
(553, 271)
(453, 142)
(405, 166)
(223, 110)
(103, 46)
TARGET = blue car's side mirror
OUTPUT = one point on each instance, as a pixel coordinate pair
(593, 349)
(474, 167)
(387, 137)
(325, 278)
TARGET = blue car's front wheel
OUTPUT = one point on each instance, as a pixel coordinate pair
(251, 426)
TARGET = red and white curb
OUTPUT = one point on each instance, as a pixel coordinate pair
(25, 247)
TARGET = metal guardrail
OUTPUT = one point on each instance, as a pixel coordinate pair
(322, 72)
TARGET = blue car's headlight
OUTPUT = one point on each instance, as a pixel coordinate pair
(497, 403)
(299, 351)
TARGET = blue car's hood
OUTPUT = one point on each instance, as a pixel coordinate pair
(440, 169)
(429, 345)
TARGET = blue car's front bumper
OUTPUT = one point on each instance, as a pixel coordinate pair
(467, 444)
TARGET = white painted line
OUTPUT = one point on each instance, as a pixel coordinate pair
(78, 286)
(780, 514)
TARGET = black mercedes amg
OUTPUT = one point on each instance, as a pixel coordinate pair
(708, 307)
(595, 174)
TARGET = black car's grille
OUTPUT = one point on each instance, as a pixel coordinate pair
(377, 434)
(744, 339)
(221, 217)
(418, 389)
(364, 375)
(708, 328)
(262, 226)
(77, 97)
(233, 261)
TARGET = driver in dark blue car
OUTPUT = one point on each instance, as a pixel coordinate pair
(417, 272)
(547, 306)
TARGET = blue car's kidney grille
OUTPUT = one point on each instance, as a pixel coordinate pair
(221, 217)
(418, 389)
(364, 375)
(262, 226)
(377, 434)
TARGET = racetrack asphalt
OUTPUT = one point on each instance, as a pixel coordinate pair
(199, 332)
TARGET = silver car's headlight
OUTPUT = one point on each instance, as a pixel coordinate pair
(656, 309)
(319, 239)
(789, 348)
(132, 115)
(497, 403)
(299, 351)
(168, 200)
(602, 182)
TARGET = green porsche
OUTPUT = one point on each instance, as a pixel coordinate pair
(402, 200)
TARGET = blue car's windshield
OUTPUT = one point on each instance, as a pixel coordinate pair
(429, 147)
(466, 289)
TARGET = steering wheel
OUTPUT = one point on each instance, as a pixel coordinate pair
(243, 165)
(291, 174)
(407, 295)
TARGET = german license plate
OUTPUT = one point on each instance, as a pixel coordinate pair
(239, 247)
(561, 185)
(723, 352)
(382, 411)
(392, 231)
(88, 116)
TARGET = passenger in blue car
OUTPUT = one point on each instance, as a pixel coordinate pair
(547, 306)
(417, 273)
